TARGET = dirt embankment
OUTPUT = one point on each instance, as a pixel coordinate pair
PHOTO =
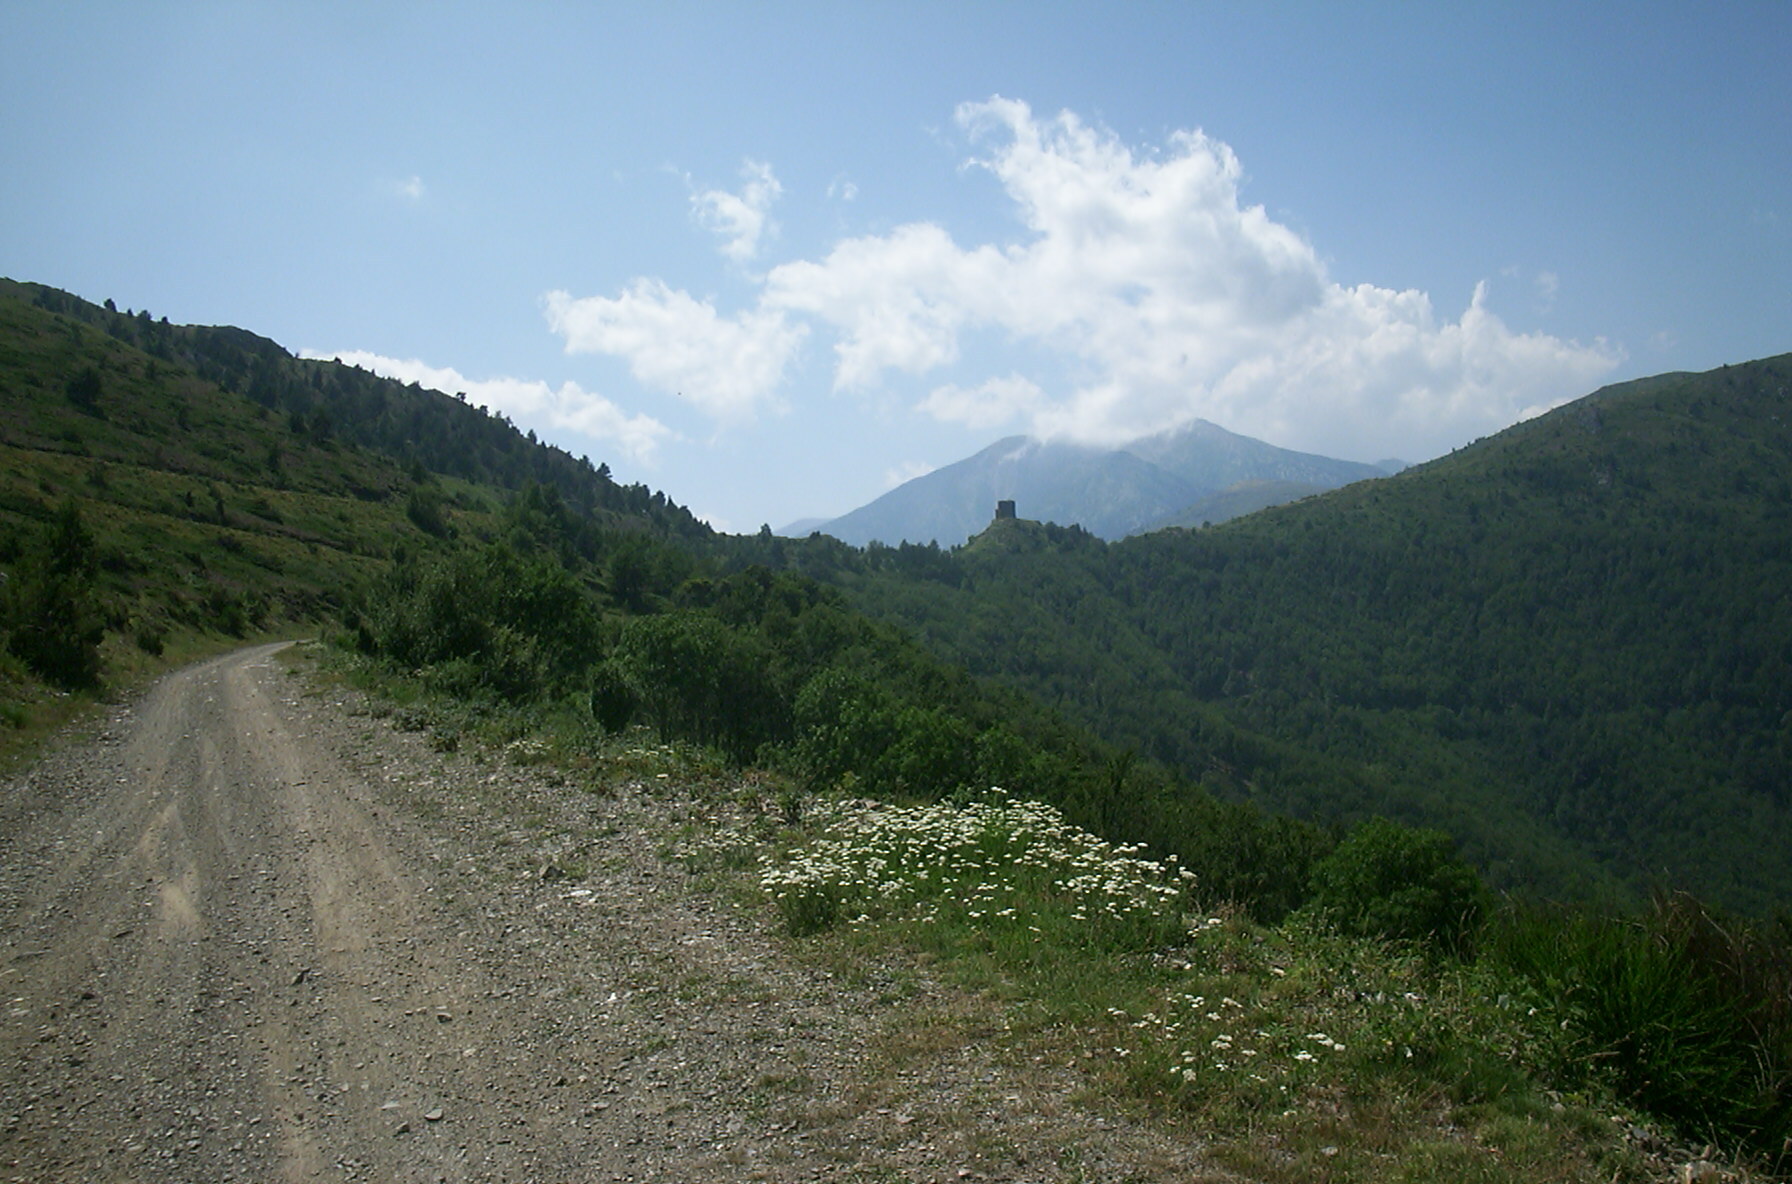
(249, 932)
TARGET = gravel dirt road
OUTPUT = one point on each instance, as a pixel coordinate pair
(254, 932)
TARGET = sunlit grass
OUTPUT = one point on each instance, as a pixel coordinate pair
(1300, 1054)
(1292, 1053)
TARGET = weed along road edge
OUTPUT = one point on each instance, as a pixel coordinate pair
(254, 931)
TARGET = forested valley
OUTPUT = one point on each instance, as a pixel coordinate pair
(1548, 672)
(1569, 645)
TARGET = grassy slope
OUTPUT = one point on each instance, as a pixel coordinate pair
(212, 518)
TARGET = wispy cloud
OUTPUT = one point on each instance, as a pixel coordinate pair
(568, 407)
(903, 473)
(740, 218)
(1548, 284)
(410, 189)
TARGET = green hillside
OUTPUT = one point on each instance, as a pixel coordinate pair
(1570, 645)
(202, 481)
(1378, 649)
(1566, 645)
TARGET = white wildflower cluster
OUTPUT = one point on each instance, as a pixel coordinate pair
(1201, 1037)
(528, 750)
(996, 861)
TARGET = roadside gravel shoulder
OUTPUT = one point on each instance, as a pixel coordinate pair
(255, 931)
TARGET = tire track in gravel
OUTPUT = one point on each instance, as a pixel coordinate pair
(249, 935)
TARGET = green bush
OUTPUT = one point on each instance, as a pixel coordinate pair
(516, 626)
(1685, 1020)
(1388, 880)
(49, 605)
(613, 704)
(696, 679)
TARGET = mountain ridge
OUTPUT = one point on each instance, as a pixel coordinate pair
(1111, 492)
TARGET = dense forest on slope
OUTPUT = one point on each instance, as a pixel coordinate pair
(1570, 644)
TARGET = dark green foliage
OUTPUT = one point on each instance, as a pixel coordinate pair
(84, 389)
(1567, 645)
(1388, 880)
(489, 621)
(49, 607)
(630, 572)
(696, 678)
(610, 699)
(151, 637)
(1686, 1016)
(852, 729)
(426, 509)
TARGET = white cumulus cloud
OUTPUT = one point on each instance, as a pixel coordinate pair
(740, 218)
(568, 407)
(1138, 290)
(673, 342)
(1151, 293)
(987, 405)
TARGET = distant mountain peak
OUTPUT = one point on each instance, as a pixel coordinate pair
(1111, 492)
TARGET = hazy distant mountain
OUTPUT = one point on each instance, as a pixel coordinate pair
(1110, 492)
(1247, 497)
(802, 528)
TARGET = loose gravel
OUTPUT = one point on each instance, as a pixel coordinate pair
(251, 931)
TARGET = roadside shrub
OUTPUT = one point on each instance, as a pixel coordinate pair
(696, 679)
(151, 637)
(1684, 1019)
(844, 723)
(612, 703)
(521, 626)
(1388, 880)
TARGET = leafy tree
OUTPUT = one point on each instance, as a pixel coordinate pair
(50, 605)
(695, 678)
(488, 620)
(1388, 880)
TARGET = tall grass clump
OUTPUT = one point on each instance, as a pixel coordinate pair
(1687, 1016)
(1010, 875)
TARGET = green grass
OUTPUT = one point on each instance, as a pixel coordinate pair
(1292, 1052)
(1298, 1053)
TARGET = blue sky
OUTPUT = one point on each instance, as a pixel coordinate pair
(775, 258)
